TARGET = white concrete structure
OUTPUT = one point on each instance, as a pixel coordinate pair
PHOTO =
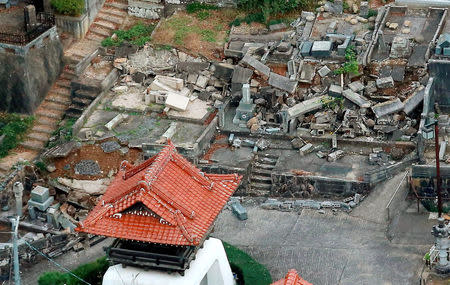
(210, 267)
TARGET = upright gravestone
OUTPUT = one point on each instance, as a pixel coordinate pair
(364, 9)
(30, 17)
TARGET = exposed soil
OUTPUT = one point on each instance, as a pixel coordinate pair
(106, 161)
(195, 36)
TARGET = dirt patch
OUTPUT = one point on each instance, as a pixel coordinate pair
(213, 149)
(194, 34)
(106, 161)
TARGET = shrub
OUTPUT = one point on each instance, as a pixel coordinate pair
(244, 265)
(351, 65)
(197, 7)
(68, 7)
(13, 127)
(372, 13)
(203, 15)
(90, 272)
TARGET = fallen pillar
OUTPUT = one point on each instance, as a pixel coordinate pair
(282, 82)
(307, 106)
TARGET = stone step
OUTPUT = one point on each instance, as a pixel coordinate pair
(62, 83)
(67, 75)
(51, 122)
(265, 160)
(43, 129)
(39, 136)
(121, 6)
(54, 106)
(260, 186)
(105, 24)
(72, 115)
(114, 11)
(85, 94)
(99, 31)
(95, 37)
(50, 114)
(58, 98)
(84, 102)
(268, 155)
(60, 91)
(76, 109)
(260, 179)
(263, 166)
(33, 144)
(261, 172)
(110, 18)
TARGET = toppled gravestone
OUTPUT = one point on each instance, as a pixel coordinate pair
(110, 146)
(239, 210)
(87, 167)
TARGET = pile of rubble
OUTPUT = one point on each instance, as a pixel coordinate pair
(171, 78)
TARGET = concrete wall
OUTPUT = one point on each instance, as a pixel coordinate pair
(77, 26)
(26, 77)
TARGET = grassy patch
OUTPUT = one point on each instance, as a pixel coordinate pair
(64, 133)
(13, 127)
(208, 35)
(91, 272)
(251, 271)
(138, 35)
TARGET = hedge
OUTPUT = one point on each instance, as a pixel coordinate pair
(91, 272)
(68, 7)
(252, 272)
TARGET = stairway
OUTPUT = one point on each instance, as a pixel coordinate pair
(81, 98)
(50, 112)
(109, 18)
(260, 177)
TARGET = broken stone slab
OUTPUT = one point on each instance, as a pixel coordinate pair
(307, 148)
(385, 82)
(335, 90)
(176, 101)
(307, 106)
(116, 121)
(356, 98)
(387, 108)
(223, 71)
(324, 71)
(334, 156)
(241, 75)
(414, 100)
(356, 86)
(62, 150)
(192, 67)
(398, 73)
(91, 187)
(321, 49)
(256, 64)
(172, 82)
(282, 82)
(202, 81)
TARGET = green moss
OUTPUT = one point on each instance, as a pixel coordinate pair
(13, 127)
(251, 271)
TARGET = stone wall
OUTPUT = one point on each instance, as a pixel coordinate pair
(27, 76)
(294, 186)
(76, 26)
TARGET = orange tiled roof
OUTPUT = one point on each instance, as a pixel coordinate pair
(292, 278)
(164, 200)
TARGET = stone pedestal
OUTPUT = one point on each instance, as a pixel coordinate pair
(246, 107)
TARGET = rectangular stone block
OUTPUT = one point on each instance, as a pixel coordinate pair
(177, 102)
(321, 48)
(41, 206)
(40, 194)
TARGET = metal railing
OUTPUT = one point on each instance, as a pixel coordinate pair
(45, 21)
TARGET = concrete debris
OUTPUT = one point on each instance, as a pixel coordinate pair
(282, 82)
(356, 98)
(116, 121)
(177, 102)
(385, 82)
(387, 108)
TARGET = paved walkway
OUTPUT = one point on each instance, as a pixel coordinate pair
(333, 248)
